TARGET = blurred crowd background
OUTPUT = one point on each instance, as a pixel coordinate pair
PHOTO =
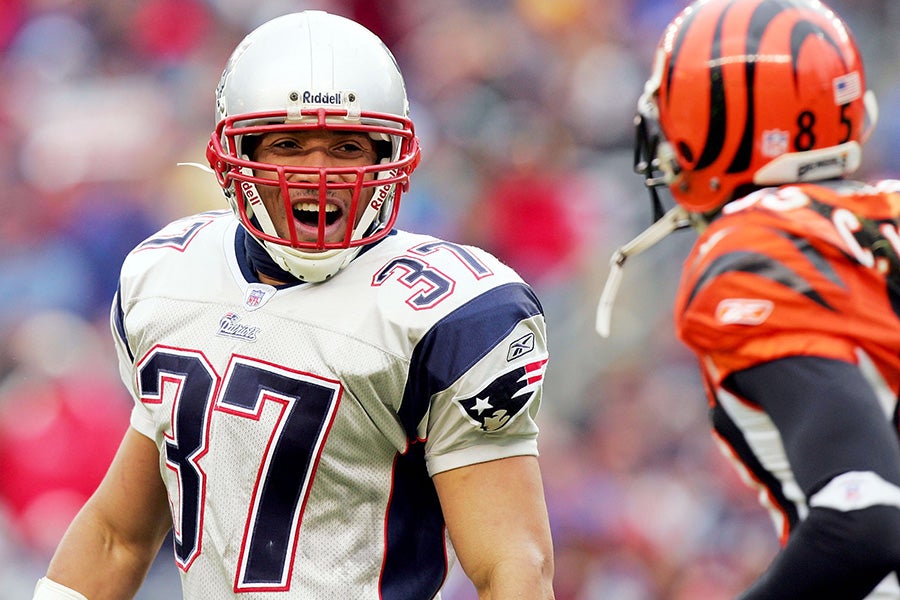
(524, 110)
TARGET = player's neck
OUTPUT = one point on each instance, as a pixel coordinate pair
(263, 278)
(261, 263)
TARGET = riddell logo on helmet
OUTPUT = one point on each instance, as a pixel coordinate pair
(250, 194)
(322, 98)
(383, 192)
(835, 164)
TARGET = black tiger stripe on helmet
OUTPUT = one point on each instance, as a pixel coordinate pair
(740, 84)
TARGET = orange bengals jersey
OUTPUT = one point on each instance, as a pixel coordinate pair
(802, 270)
(798, 270)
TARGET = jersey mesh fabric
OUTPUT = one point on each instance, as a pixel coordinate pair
(305, 384)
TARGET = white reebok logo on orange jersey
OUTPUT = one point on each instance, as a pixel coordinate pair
(743, 311)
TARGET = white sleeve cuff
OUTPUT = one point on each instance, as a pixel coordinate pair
(47, 589)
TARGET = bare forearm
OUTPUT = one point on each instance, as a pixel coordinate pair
(498, 523)
(94, 562)
(110, 545)
(517, 580)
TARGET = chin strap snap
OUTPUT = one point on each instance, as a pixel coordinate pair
(676, 218)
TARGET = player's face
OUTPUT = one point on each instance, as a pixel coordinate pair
(314, 149)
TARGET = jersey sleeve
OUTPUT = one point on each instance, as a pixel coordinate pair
(756, 293)
(477, 379)
(140, 417)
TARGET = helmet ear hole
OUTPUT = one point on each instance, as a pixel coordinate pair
(249, 144)
(384, 149)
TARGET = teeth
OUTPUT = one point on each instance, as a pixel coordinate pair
(314, 207)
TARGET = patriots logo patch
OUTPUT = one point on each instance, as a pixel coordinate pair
(498, 403)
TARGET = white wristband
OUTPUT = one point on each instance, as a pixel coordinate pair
(47, 589)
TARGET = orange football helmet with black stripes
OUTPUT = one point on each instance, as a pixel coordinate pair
(751, 93)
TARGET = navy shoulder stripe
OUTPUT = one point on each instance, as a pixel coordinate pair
(119, 320)
(458, 341)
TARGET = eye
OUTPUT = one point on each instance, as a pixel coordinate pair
(277, 146)
(350, 147)
(285, 144)
(354, 148)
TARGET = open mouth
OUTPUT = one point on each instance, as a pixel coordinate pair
(307, 213)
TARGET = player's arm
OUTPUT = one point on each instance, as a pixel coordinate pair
(497, 520)
(846, 459)
(110, 545)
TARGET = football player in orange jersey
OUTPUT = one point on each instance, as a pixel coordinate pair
(754, 117)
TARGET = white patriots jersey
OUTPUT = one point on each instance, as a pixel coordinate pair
(299, 426)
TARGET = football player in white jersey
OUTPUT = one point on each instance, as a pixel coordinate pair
(325, 406)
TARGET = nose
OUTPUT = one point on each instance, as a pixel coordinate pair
(313, 156)
(312, 160)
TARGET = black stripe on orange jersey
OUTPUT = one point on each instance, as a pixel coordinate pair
(815, 257)
(763, 266)
(869, 236)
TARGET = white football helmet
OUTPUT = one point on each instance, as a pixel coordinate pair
(305, 71)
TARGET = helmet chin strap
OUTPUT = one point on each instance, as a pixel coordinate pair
(252, 198)
(282, 255)
(676, 218)
(371, 216)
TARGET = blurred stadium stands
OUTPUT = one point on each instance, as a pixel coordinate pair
(524, 111)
